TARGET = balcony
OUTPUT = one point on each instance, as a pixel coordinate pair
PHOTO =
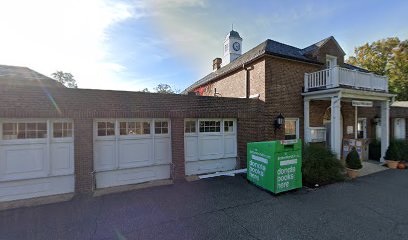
(343, 77)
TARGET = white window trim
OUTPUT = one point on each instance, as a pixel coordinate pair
(61, 139)
(211, 133)
(159, 135)
(297, 126)
(196, 127)
(332, 59)
(234, 122)
(135, 136)
(111, 137)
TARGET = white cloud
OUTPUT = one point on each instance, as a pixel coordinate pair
(67, 35)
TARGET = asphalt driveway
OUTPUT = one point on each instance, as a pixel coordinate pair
(372, 207)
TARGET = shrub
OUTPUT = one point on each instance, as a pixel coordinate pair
(392, 152)
(320, 166)
(353, 160)
(374, 150)
(397, 150)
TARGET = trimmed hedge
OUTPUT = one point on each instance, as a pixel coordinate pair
(353, 160)
(320, 166)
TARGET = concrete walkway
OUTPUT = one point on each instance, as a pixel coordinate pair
(370, 167)
(370, 207)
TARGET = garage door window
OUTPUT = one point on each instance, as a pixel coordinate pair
(210, 126)
(106, 128)
(134, 128)
(62, 129)
(190, 126)
(161, 127)
(229, 126)
(24, 130)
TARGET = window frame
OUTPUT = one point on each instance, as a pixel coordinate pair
(133, 120)
(297, 130)
(23, 140)
(154, 120)
(106, 137)
(211, 120)
(196, 126)
(61, 121)
(234, 126)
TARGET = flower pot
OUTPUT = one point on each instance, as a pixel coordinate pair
(392, 164)
(352, 173)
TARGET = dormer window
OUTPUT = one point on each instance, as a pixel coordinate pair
(331, 61)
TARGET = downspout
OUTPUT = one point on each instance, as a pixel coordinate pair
(247, 83)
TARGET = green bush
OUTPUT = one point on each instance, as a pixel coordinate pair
(320, 166)
(392, 152)
(353, 160)
(397, 150)
(374, 150)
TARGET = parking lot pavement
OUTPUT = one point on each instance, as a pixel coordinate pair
(371, 207)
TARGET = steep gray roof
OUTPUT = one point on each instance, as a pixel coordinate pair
(269, 46)
(14, 75)
(234, 34)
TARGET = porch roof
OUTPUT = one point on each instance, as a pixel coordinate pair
(348, 93)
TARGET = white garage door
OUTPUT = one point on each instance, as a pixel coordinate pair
(36, 158)
(129, 151)
(210, 145)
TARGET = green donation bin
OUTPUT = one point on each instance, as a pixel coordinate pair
(276, 165)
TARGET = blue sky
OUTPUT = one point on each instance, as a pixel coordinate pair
(136, 44)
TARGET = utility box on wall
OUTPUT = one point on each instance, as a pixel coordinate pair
(275, 165)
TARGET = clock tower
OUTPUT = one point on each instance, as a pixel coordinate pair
(232, 47)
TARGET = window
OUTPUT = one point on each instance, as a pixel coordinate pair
(210, 126)
(161, 127)
(24, 130)
(228, 126)
(62, 129)
(134, 128)
(291, 129)
(106, 128)
(190, 126)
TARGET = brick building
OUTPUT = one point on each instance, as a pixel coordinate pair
(322, 98)
(57, 140)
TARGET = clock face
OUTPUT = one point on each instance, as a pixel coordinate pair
(236, 46)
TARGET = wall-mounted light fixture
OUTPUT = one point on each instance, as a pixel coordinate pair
(279, 120)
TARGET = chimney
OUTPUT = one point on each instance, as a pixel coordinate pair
(217, 64)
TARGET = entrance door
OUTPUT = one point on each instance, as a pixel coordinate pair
(362, 128)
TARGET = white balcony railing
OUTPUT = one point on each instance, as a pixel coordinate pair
(337, 76)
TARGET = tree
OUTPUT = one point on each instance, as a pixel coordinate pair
(65, 78)
(386, 57)
(145, 90)
(165, 88)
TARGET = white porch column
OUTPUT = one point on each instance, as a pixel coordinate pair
(385, 127)
(336, 135)
(306, 125)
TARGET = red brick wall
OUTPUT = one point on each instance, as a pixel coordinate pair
(284, 86)
(83, 106)
(234, 84)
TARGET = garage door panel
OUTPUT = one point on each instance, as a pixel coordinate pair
(211, 165)
(23, 161)
(210, 147)
(132, 176)
(230, 146)
(191, 148)
(24, 189)
(62, 155)
(104, 155)
(133, 153)
(162, 150)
